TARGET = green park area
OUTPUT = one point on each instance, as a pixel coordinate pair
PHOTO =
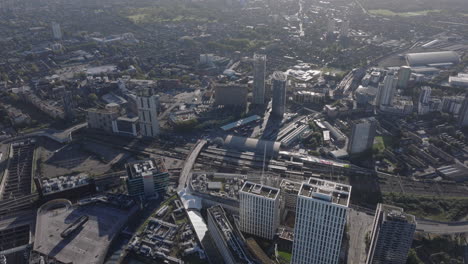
(433, 208)
(169, 13)
(382, 142)
(285, 255)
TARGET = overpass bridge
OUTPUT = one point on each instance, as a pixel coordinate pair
(60, 136)
(189, 162)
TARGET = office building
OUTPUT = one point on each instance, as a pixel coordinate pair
(365, 95)
(362, 136)
(404, 75)
(392, 235)
(331, 25)
(147, 177)
(57, 31)
(278, 105)
(423, 102)
(387, 90)
(126, 126)
(322, 208)
(102, 118)
(147, 104)
(259, 79)
(425, 95)
(344, 29)
(463, 115)
(227, 237)
(259, 210)
(231, 94)
(68, 105)
(452, 104)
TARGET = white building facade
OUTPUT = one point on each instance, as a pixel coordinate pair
(56, 30)
(259, 210)
(322, 208)
(387, 90)
(147, 105)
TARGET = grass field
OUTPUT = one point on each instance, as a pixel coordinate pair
(168, 13)
(382, 142)
(385, 12)
(286, 255)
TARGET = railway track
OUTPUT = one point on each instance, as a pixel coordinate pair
(175, 153)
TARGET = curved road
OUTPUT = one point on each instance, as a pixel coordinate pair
(188, 165)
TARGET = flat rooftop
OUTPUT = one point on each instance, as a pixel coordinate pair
(260, 190)
(279, 76)
(88, 244)
(62, 183)
(394, 213)
(143, 168)
(327, 191)
(289, 186)
(456, 172)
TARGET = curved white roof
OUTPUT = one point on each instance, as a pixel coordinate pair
(190, 201)
(428, 58)
(252, 145)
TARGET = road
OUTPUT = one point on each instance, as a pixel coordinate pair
(425, 225)
(362, 7)
(188, 165)
(441, 228)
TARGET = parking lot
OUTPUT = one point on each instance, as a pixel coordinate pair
(58, 160)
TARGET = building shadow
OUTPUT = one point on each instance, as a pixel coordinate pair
(366, 190)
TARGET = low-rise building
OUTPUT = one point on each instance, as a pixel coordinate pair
(456, 172)
(306, 97)
(68, 186)
(461, 80)
(50, 108)
(401, 106)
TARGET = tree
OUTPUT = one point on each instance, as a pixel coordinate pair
(13, 97)
(413, 258)
(4, 77)
(92, 97)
